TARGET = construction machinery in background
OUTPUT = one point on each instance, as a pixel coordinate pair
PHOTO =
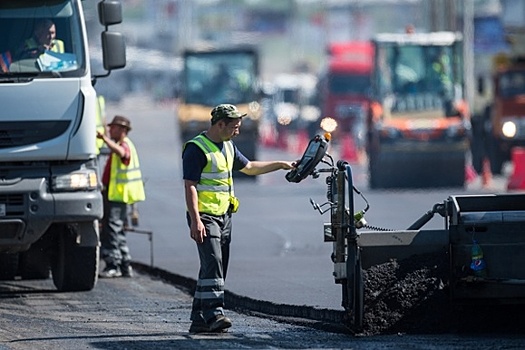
(293, 103)
(418, 123)
(214, 76)
(501, 126)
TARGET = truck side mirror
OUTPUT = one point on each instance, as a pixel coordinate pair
(109, 12)
(114, 50)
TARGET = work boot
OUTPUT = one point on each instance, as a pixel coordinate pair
(219, 323)
(126, 270)
(111, 271)
(199, 326)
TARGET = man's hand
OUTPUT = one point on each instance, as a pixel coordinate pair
(198, 231)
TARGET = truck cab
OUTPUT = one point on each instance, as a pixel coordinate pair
(345, 86)
(214, 76)
(506, 116)
(50, 193)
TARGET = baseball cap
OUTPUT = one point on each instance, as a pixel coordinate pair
(225, 111)
(122, 121)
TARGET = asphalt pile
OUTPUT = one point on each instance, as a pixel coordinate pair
(411, 296)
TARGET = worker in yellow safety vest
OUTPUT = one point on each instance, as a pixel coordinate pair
(208, 162)
(44, 38)
(123, 186)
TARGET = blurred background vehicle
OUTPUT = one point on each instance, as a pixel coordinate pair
(301, 37)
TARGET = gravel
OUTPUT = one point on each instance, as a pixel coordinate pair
(411, 296)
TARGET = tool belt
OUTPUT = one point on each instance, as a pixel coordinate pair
(234, 204)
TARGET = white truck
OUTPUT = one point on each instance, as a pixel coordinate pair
(50, 192)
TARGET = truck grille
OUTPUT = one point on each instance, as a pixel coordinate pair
(14, 204)
(14, 134)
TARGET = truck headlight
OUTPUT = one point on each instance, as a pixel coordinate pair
(509, 129)
(77, 181)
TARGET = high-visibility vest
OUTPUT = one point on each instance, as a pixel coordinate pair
(5, 61)
(125, 182)
(215, 188)
(58, 45)
(101, 127)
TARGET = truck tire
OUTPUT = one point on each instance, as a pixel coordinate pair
(380, 175)
(8, 266)
(74, 268)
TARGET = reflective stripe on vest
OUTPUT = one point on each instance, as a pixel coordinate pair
(215, 187)
(58, 45)
(125, 182)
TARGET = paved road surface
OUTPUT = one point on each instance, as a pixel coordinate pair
(146, 314)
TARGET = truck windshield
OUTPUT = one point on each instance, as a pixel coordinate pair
(342, 84)
(212, 78)
(41, 36)
(512, 84)
(417, 77)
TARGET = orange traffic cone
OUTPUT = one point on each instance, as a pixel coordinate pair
(517, 179)
(470, 173)
(348, 150)
(486, 173)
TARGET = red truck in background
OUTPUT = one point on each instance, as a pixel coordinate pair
(504, 119)
(344, 89)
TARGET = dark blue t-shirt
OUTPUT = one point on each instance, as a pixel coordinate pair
(194, 160)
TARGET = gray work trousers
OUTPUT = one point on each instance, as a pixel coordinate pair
(214, 255)
(114, 246)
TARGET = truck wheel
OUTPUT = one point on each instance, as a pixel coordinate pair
(74, 268)
(380, 175)
(9, 266)
(454, 170)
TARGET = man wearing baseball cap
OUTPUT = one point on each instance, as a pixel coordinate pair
(209, 160)
(122, 186)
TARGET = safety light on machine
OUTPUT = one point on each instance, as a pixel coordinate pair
(328, 124)
(509, 129)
